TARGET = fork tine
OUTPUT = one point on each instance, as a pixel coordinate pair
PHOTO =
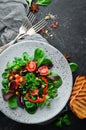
(42, 26)
(37, 27)
(31, 17)
(27, 23)
(30, 20)
(39, 23)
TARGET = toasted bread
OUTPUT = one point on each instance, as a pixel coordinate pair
(78, 97)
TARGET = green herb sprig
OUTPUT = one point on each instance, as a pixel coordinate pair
(63, 120)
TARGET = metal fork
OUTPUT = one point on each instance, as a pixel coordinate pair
(27, 24)
(35, 28)
(32, 30)
(31, 17)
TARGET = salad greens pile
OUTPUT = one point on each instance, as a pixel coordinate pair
(28, 81)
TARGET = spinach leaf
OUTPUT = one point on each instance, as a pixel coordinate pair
(46, 61)
(30, 107)
(5, 74)
(43, 2)
(12, 102)
(4, 90)
(73, 66)
(5, 82)
(39, 55)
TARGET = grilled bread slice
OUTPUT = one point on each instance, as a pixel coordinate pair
(78, 97)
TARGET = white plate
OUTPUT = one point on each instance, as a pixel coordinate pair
(60, 65)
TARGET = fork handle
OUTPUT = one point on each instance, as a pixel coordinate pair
(29, 32)
(2, 48)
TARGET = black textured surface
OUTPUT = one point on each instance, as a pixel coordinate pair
(69, 38)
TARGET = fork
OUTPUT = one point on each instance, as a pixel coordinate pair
(31, 17)
(35, 28)
(32, 30)
(27, 23)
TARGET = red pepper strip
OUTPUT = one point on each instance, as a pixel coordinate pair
(37, 100)
(35, 92)
(46, 87)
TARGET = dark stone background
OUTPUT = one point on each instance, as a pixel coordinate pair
(69, 38)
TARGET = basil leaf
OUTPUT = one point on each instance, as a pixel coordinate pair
(12, 102)
(73, 66)
(43, 2)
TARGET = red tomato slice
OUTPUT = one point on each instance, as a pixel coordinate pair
(43, 70)
(31, 66)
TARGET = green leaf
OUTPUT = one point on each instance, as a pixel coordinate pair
(39, 55)
(30, 107)
(29, 1)
(46, 61)
(4, 90)
(66, 119)
(25, 56)
(73, 66)
(5, 75)
(59, 123)
(5, 82)
(12, 102)
(43, 2)
(9, 66)
(58, 83)
(63, 120)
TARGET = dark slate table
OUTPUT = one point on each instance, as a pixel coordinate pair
(69, 38)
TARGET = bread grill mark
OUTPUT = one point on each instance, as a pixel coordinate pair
(78, 97)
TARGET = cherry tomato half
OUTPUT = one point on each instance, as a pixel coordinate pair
(31, 66)
(43, 70)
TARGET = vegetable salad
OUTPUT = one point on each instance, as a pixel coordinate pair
(28, 82)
